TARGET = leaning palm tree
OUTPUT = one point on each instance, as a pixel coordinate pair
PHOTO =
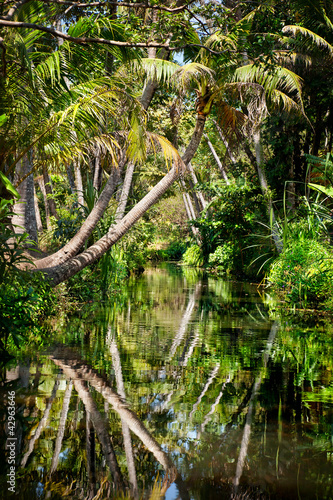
(211, 89)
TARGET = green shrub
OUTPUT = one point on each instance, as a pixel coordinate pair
(304, 273)
(68, 224)
(25, 298)
(222, 260)
(176, 250)
(193, 256)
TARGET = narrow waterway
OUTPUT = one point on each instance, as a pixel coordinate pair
(183, 387)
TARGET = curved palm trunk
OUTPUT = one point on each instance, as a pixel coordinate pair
(24, 209)
(62, 272)
(71, 249)
(78, 371)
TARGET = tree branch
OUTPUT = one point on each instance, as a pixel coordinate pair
(81, 40)
(14, 8)
(85, 40)
(105, 3)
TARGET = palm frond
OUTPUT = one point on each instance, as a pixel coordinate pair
(50, 68)
(316, 39)
(171, 154)
(282, 100)
(282, 78)
(192, 72)
(219, 41)
(286, 57)
(230, 119)
(156, 69)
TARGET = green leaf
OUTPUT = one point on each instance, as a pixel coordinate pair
(8, 185)
(3, 119)
(318, 187)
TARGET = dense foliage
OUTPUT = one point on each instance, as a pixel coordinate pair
(132, 133)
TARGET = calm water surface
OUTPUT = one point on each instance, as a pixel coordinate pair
(182, 388)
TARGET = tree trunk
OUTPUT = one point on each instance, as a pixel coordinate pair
(78, 182)
(250, 155)
(218, 161)
(97, 169)
(71, 249)
(125, 192)
(195, 181)
(260, 160)
(46, 205)
(190, 212)
(264, 188)
(37, 212)
(62, 272)
(225, 142)
(24, 209)
(151, 85)
(70, 179)
(49, 193)
(187, 208)
(195, 198)
(146, 98)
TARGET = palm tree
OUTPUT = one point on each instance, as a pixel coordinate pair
(73, 120)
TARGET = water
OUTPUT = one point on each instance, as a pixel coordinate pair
(184, 387)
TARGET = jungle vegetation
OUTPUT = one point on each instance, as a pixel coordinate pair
(132, 131)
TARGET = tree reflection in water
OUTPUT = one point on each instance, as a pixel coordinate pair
(74, 369)
(181, 380)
